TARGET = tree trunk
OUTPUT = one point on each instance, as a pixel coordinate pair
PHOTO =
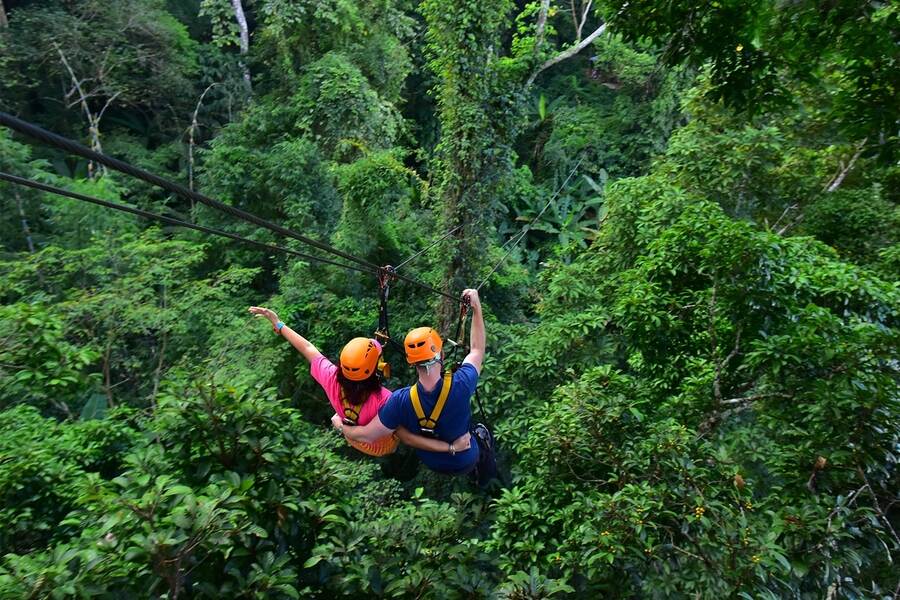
(473, 153)
(25, 229)
(245, 38)
(107, 375)
(4, 22)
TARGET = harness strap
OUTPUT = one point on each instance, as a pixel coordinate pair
(351, 413)
(384, 284)
(454, 369)
(428, 424)
(385, 276)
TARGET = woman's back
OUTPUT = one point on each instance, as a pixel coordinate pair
(326, 374)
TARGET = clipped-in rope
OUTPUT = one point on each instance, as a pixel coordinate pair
(514, 240)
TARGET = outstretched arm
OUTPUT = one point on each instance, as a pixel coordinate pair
(421, 442)
(477, 337)
(375, 430)
(303, 346)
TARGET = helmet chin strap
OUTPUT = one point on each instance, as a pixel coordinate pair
(427, 366)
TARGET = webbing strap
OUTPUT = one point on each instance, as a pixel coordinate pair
(351, 413)
(430, 423)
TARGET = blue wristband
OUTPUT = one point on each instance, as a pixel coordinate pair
(278, 326)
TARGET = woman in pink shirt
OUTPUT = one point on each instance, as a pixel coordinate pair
(354, 390)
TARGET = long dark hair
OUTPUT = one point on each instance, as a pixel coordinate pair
(358, 392)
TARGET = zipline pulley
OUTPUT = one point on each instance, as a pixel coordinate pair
(385, 275)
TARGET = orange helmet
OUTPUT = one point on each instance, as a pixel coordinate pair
(423, 344)
(359, 358)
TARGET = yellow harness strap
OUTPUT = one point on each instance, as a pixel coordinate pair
(386, 445)
(351, 413)
(428, 424)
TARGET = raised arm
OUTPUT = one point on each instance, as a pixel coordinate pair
(303, 346)
(477, 337)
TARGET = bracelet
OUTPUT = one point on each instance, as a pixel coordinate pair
(451, 449)
(278, 326)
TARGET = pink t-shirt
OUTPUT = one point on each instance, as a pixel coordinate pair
(324, 372)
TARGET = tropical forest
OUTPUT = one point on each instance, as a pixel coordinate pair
(449, 299)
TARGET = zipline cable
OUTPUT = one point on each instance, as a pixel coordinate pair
(518, 237)
(473, 224)
(169, 220)
(74, 147)
(429, 247)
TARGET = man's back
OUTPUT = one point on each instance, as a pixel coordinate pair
(453, 422)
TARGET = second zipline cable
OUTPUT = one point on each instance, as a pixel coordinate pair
(170, 220)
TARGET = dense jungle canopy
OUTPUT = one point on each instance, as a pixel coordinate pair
(692, 354)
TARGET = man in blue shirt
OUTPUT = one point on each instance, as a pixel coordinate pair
(438, 404)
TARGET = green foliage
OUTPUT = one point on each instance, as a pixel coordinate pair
(154, 56)
(294, 33)
(692, 365)
(856, 222)
(379, 197)
(770, 352)
(474, 113)
(419, 549)
(77, 224)
(225, 30)
(752, 48)
(44, 466)
(617, 117)
(281, 179)
(38, 366)
(22, 214)
(336, 105)
(136, 309)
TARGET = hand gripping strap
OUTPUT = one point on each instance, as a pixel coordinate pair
(429, 423)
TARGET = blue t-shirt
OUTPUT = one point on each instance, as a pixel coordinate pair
(453, 422)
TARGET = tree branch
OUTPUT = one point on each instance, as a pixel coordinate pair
(878, 510)
(714, 343)
(93, 120)
(584, 14)
(784, 214)
(191, 130)
(109, 101)
(839, 178)
(749, 399)
(708, 424)
(566, 54)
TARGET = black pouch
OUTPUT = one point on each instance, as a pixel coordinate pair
(486, 467)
